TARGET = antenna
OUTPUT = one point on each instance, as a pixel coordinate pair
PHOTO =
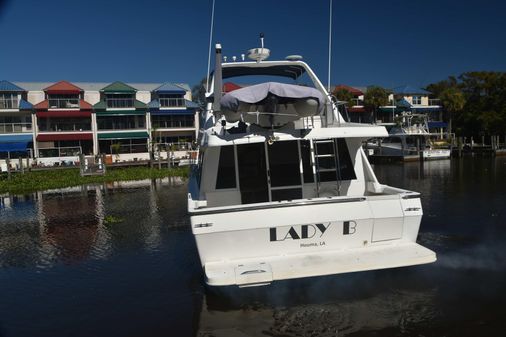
(210, 41)
(330, 44)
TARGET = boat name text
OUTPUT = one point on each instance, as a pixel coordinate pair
(299, 232)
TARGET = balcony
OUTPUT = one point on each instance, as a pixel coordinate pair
(9, 103)
(63, 103)
(174, 123)
(15, 127)
(119, 103)
(71, 127)
(434, 101)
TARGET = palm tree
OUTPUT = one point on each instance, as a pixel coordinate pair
(452, 100)
(375, 97)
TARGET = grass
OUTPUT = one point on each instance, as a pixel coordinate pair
(52, 179)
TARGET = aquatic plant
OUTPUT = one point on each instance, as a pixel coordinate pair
(69, 177)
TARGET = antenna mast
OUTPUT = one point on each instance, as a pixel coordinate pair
(330, 44)
(210, 41)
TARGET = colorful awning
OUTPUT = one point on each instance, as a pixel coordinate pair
(13, 147)
(16, 138)
(173, 112)
(64, 136)
(64, 113)
(123, 135)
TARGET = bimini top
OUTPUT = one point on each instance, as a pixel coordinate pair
(280, 68)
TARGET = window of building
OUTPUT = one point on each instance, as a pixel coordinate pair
(118, 101)
(63, 101)
(171, 100)
(417, 100)
(9, 101)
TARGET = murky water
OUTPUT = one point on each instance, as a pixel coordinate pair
(120, 260)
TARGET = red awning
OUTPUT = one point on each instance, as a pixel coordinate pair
(64, 113)
(64, 136)
(357, 110)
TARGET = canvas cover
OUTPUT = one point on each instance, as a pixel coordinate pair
(257, 93)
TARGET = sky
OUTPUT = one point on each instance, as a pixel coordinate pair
(386, 43)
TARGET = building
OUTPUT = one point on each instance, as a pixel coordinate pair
(173, 118)
(16, 122)
(122, 126)
(357, 112)
(95, 118)
(408, 98)
(64, 127)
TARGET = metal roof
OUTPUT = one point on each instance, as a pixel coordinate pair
(96, 86)
(24, 105)
(11, 87)
(62, 86)
(119, 87)
(170, 88)
(407, 89)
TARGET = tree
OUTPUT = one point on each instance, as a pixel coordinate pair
(453, 101)
(344, 95)
(375, 97)
(199, 93)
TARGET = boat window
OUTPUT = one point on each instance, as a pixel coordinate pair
(226, 168)
(252, 173)
(284, 164)
(305, 151)
(347, 170)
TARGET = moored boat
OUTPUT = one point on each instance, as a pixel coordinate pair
(283, 189)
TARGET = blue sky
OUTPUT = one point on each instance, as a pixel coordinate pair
(388, 43)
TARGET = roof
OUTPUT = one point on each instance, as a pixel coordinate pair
(24, 105)
(118, 87)
(354, 91)
(11, 87)
(170, 88)
(407, 89)
(62, 87)
(96, 86)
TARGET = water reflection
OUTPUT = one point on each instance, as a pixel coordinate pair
(70, 225)
(78, 274)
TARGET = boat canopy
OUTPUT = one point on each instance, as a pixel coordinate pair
(257, 93)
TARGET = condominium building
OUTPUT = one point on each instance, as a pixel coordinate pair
(55, 122)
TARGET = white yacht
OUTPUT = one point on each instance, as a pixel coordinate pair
(283, 189)
(411, 137)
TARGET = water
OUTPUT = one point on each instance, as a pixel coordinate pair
(67, 271)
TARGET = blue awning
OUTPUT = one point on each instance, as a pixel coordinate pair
(16, 138)
(13, 147)
(437, 125)
(173, 112)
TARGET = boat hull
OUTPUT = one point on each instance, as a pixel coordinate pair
(261, 243)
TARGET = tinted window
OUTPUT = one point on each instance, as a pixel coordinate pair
(226, 168)
(347, 170)
(284, 164)
(252, 173)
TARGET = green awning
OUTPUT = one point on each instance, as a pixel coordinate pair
(123, 135)
(120, 113)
